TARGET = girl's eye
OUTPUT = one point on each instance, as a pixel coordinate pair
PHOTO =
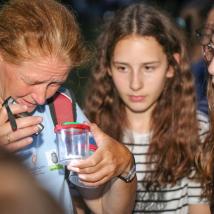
(149, 69)
(122, 68)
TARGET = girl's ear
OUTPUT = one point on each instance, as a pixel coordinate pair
(177, 57)
(171, 71)
(109, 72)
(1, 57)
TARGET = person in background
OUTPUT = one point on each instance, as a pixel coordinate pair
(210, 17)
(20, 193)
(141, 92)
(205, 159)
(40, 43)
(192, 16)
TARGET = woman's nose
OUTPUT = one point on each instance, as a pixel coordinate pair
(39, 94)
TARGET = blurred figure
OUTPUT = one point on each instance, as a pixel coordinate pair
(193, 16)
(210, 18)
(206, 158)
(19, 191)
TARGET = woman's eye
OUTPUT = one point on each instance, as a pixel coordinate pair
(54, 85)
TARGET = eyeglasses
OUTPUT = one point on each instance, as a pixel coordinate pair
(206, 38)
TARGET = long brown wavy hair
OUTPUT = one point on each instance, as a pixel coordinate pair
(174, 123)
(205, 159)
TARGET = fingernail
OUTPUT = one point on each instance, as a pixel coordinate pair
(29, 139)
(39, 119)
(73, 162)
(73, 168)
(81, 176)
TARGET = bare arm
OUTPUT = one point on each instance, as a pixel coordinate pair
(101, 169)
(115, 197)
(199, 209)
(122, 194)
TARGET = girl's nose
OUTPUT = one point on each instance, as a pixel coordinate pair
(136, 81)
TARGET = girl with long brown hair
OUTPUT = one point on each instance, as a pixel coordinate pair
(141, 93)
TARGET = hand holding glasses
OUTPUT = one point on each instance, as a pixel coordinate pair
(12, 117)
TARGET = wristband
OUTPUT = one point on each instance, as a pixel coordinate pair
(129, 175)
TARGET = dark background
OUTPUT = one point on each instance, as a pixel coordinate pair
(189, 14)
(92, 13)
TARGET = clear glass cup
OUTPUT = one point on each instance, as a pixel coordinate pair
(72, 145)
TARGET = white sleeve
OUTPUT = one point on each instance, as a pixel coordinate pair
(194, 193)
(203, 121)
(194, 188)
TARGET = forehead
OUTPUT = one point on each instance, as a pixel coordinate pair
(210, 18)
(50, 64)
(45, 68)
(46, 61)
(138, 46)
(207, 35)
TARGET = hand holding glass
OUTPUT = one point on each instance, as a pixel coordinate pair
(72, 145)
